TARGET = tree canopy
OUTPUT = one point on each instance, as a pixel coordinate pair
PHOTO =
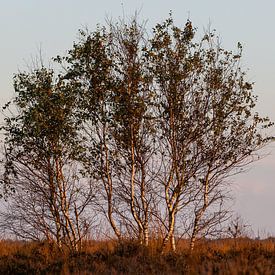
(141, 129)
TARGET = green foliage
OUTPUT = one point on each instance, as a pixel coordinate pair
(44, 125)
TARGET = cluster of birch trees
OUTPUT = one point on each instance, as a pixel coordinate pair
(133, 133)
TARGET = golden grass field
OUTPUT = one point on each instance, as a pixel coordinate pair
(224, 256)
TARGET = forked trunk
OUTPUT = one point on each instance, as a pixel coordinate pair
(170, 234)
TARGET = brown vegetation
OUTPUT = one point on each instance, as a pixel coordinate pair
(223, 256)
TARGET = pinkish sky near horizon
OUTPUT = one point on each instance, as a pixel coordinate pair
(27, 26)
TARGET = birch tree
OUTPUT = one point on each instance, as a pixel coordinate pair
(114, 101)
(41, 151)
(154, 125)
(208, 127)
(133, 123)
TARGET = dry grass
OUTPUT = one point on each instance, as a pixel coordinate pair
(224, 256)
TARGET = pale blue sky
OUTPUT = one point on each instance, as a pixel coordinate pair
(26, 26)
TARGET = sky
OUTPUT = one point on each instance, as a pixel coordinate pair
(50, 27)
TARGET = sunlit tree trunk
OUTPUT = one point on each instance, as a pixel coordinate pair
(200, 212)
